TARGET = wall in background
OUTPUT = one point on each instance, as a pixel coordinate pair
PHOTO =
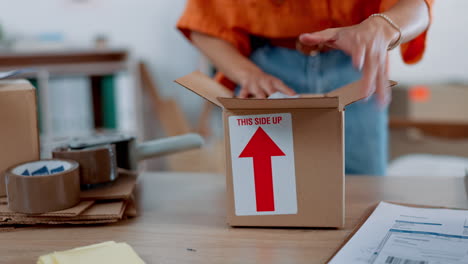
(446, 59)
(147, 28)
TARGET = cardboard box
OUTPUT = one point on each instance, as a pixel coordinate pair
(429, 119)
(19, 138)
(284, 157)
(436, 102)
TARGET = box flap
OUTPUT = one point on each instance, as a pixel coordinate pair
(219, 95)
(351, 93)
(205, 87)
(289, 103)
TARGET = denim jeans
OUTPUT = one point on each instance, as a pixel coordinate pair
(366, 132)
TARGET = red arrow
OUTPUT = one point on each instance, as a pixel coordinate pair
(261, 148)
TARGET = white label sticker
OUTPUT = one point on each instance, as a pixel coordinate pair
(263, 172)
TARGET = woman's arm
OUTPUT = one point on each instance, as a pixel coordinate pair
(367, 42)
(238, 68)
(412, 16)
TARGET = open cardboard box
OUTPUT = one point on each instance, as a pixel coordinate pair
(284, 157)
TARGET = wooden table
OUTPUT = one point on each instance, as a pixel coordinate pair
(182, 221)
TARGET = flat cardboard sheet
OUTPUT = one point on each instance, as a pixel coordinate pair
(106, 204)
(100, 211)
(28, 222)
(70, 212)
(96, 214)
(131, 209)
(122, 188)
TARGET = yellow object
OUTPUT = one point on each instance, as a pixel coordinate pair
(106, 252)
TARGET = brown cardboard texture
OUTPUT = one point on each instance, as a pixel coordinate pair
(284, 157)
(97, 213)
(121, 188)
(19, 139)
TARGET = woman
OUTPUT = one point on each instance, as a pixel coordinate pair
(266, 46)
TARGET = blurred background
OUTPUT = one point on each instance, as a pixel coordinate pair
(110, 64)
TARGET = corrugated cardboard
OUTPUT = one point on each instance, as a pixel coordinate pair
(102, 204)
(19, 139)
(69, 212)
(120, 189)
(318, 142)
(445, 103)
(97, 214)
(435, 121)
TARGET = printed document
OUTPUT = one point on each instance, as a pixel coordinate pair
(396, 234)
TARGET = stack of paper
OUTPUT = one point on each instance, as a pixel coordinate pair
(107, 252)
(396, 234)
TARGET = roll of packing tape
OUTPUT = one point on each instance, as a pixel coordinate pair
(97, 164)
(43, 186)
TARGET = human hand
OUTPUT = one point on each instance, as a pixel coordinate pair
(259, 84)
(367, 44)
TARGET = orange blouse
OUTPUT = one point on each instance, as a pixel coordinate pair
(235, 20)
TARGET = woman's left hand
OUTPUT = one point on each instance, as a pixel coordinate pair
(367, 44)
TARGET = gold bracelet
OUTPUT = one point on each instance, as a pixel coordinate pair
(395, 26)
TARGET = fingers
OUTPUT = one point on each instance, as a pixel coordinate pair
(244, 92)
(257, 91)
(368, 49)
(267, 86)
(316, 38)
(383, 91)
(263, 87)
(251, 89)
(369, 72)
(280, 86)
(358, 57)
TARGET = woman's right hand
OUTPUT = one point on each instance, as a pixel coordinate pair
(258, 84)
